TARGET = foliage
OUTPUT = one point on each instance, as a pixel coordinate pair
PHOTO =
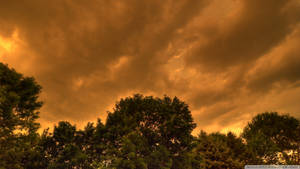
(273, 138)
(142, 132)
(164, 125)
(218, 151)
(18, 112)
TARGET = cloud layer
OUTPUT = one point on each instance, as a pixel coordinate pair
(228, 60)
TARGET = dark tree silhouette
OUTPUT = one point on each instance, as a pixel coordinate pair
(163, 125)
(18, 112)
(140, 133)
(64, 148)
(273, 138)
(218, 151)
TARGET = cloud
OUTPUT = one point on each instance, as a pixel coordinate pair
(249, 33)
(222, 58)
(81, 43)
(279, 68)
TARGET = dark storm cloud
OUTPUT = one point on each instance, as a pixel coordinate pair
(79, 47)
(281, 68)
(251, 32)
(212, 54)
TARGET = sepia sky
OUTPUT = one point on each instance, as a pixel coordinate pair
(227, 59)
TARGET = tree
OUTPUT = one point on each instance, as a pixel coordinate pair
(273, 138)
(62, 149)
(165, 125)
(218, 151)
(129, 156)
(92, 142)
(18, 113)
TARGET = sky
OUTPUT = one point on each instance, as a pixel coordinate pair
(228, 60)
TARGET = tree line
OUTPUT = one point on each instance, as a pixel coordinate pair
(142, 132)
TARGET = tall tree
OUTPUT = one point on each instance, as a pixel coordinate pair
(273, 138)
(19, 106)
(165, 125)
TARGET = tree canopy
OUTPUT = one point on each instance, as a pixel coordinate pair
(19, 107)
(142, 132)
(160, 124)
(274, 138)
